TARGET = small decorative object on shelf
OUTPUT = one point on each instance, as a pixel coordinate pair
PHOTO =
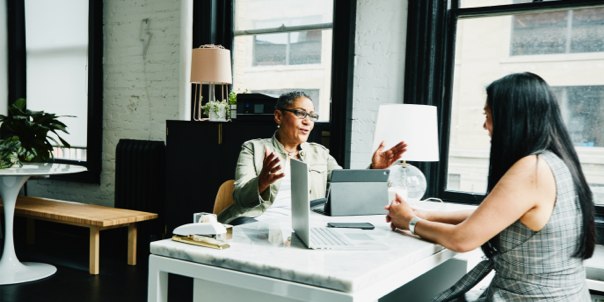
(217, 111)
(233, 104)
(24, 135)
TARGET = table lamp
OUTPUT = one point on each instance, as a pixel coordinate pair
(417, 126)
(211, 65)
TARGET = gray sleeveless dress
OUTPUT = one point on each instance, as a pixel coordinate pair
(537, 266)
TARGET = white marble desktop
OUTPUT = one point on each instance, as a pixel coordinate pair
(258, 248)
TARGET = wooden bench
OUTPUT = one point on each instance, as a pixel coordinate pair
(94, 217)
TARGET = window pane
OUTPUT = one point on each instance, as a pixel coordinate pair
(481, 3)
(57, 65)
(305, 47)
(583, 109)
(481, 56)
(275, 60)
(260, 14)
(568, 31)
(270, 49)
(542, 33)
(587, 30)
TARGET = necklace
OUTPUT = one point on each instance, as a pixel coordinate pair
(291, 153)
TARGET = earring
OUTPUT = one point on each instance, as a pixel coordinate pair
(278, 126)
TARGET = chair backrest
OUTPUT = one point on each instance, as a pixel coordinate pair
(224, 197)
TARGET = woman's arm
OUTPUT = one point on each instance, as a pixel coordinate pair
(252, 177)
(525, 192)
(450, 217)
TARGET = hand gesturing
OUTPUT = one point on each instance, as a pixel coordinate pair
(271, 171)
(383, 159)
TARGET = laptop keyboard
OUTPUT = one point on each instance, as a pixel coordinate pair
(328, 237)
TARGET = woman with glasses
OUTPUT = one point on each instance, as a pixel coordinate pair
(262, 179)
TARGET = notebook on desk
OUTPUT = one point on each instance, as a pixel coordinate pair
(318, 237)
(355, 192)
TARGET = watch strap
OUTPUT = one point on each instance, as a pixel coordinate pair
(412, 224)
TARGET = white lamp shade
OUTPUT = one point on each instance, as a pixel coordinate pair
(414, 124)
(211, 65)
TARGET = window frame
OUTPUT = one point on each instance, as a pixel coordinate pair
(213, 24)
(432, 29)
(278, 30)
(17, 83)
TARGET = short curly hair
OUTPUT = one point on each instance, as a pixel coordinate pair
(286, 100)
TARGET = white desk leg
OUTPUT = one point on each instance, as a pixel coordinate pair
(11, 270)
(157, 288)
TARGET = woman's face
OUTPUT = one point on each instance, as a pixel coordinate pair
(292, 129)
(488, 120)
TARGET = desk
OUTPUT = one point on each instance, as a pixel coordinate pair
(11, 180)
(259, 268)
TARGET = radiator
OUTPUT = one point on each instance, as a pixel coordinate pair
(140, 182)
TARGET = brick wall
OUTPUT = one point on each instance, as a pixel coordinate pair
(379, 69)
(141, 90)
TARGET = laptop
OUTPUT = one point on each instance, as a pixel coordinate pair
(355, 192)
(319, 237)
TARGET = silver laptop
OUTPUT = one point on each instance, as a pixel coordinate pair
(317, 237)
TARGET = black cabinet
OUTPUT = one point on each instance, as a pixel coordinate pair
(199, 157)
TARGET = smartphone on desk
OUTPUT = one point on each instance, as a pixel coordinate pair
(351, 225)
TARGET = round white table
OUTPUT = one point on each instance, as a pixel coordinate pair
(11, 180)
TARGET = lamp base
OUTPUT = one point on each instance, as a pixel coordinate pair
(406, 180)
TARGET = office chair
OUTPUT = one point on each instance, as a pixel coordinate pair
(224, 197)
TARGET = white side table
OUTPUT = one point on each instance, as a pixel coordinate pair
(11, 180)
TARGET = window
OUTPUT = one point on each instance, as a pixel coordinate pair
(291, 48)
(281, 47)
(583, 111)
(56, 64)
(561, 41)
(57, 58)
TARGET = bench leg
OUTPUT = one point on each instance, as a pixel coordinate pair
(30, 231)
(93, 262)
(132, 244)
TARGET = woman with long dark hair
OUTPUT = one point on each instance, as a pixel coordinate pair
(536, 224)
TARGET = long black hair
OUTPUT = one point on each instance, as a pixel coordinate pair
(526, 119)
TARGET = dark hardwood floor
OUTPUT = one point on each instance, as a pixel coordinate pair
(66, 247)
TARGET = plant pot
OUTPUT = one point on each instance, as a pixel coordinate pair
(218, 115)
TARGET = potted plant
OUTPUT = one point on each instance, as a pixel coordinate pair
(233, 104)
(216, 110)
(25, 135)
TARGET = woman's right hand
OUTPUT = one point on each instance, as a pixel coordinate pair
(271, 170)
(399, 213)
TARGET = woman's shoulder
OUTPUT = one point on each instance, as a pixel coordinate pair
(529, 170)
(258, 141)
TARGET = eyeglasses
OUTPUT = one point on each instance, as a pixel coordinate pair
(302, 114)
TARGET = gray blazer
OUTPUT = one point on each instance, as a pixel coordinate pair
(248, 201)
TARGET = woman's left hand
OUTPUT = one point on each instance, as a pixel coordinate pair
(383, 159)
(399, 213)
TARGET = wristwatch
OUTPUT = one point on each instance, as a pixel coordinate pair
(412, 224)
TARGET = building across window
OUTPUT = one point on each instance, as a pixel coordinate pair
(282, 46)
(568, 31)
(565, 46)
